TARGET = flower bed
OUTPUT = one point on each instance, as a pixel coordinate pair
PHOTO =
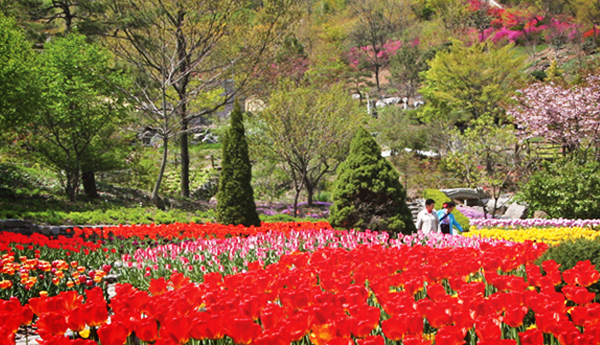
(369, 295)
(551, 236)
(535, 223)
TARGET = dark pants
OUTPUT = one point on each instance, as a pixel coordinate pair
(445, 228)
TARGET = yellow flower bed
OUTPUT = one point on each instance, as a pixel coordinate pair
(551, 236)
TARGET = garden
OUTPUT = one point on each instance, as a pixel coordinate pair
(300, 283)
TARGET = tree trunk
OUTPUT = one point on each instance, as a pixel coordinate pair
(155, 198)
(72, 184)
(185, 159)
(183, 57)
(89, 184)
(310, 191)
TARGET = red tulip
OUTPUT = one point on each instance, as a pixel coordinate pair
(25, 315)
(113, 333)
(497, 342)
(579, 315)
(371, 340)
(436, 292)
(531, 337)
(338, 341)
(95, 314)
(321, 334)
(242, 331)
(578, 294)
(415, 340)
(52, 323)
(177, 329)
(395, 327)
(158, 286)
(278, 336)
(487, 330)
(178, 280)
(513, 316)
(450, 335)
(270, 315)
(76, 319)
(206, 326)
(146, 329)
(548, 322)
(583, 274)
(299, 325)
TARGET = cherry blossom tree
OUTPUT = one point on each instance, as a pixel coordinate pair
(563, 115)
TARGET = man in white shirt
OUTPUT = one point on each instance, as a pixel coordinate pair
(427, 219)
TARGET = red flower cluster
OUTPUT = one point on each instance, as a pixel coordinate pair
(14, 241)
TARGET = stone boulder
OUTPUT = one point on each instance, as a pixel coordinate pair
(516, 211)
(501, 205)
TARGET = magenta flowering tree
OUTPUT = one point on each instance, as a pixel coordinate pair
(373, 58)
(566, 116)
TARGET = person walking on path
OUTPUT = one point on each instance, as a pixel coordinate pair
(447, 220)
(427, 219)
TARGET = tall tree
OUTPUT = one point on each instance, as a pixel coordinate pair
(19, 92)
(235, 199)
(189, 51)
(564, 115)
(308, 131)
(43, 18)
(466, 83)
(80, 106)
(379, 24)
(367, 191)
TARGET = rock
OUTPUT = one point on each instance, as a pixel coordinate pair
(15, 224)
(461, 193)
(54, 230)
(501, 205)
(516, 211)
(45, 230)
(540, 214)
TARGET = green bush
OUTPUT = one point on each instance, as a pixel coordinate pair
(440, 198)
(367, 192)
(565, 189)
(236, 197)
(569, 253)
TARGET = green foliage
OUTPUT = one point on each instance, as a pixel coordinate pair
(117, 215)
(567, 254)
(73, 129)
(18, 86)
(367, 193)
(566, 188)
(440, 198)
(236, 197)
(466, 83)
(171, 183)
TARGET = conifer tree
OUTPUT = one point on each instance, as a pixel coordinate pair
(367, 192)
(236, 196)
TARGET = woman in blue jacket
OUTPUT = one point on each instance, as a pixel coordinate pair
(447, 220)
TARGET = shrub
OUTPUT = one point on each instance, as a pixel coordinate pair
(565, 189)
(367, 193)
(236, 197)
(569, 253)
(440, 198)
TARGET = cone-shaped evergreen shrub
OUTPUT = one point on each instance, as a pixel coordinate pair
(235, 199)
(367, 193)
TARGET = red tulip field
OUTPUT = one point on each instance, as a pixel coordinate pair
(288, 283)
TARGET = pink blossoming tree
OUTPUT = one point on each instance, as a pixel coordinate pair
(566, 116)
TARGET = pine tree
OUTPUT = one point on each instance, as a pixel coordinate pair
(236, 196)
(367, 192)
